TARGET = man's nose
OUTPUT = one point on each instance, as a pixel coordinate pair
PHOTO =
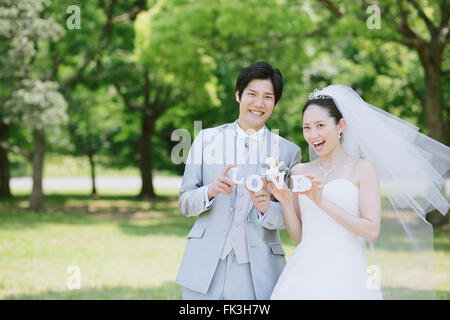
(259, 101)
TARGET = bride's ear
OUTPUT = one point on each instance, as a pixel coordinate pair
(341, 125)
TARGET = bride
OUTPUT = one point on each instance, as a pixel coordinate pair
(357, 150)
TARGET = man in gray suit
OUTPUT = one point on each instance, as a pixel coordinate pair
(234, 249)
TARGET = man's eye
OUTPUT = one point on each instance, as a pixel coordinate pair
(268, 97)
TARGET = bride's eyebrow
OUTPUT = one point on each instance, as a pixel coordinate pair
(306, 123)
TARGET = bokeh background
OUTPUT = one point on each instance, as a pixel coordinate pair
(92, 91)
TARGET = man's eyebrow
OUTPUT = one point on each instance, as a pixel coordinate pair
(269, 92)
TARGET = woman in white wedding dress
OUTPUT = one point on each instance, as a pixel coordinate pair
(342, 209)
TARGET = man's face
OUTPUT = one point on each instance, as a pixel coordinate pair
(256, 104)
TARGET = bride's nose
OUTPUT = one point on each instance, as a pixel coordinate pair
(313, 134)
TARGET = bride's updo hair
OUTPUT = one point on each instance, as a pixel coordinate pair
(326, 103)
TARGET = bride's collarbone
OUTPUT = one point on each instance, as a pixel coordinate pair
(337, 175)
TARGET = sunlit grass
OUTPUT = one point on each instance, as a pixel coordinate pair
(126, 248)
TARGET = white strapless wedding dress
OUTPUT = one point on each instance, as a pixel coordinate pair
(330, 261)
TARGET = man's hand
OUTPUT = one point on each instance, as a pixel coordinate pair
(261, 198)
(221, 184)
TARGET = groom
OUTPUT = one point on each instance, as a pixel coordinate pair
(234, 250)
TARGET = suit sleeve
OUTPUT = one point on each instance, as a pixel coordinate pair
(192, 199)
(273, 218)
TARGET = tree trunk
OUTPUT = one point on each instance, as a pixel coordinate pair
(434, 107)
(37, 197)
(5, 191)
(146, 161)
(92, 163)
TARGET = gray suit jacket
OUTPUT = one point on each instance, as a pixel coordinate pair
(207, 237)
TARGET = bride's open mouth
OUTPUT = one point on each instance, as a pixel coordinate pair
(318, 145)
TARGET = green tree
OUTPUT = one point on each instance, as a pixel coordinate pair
(202, 46)
(26, 99)
(422, 27)
(94, 120)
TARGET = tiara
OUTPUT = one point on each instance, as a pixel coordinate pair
(316, 95)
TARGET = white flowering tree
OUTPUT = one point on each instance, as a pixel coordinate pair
(25, 99)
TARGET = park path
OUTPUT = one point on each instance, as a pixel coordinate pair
(84, 183)
(105, 183)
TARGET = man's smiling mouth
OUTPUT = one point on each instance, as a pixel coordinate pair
(257, 113)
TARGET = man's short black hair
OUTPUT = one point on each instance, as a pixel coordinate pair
(263, 71)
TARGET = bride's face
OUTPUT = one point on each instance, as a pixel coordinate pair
(320, 129)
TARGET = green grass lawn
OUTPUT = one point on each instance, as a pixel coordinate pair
(125, 248)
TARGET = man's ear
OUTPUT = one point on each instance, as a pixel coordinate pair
(237, 96)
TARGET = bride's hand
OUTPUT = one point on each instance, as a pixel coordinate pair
(316, 190)
(284, 195)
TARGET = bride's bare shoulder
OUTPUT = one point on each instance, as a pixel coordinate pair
(364, 164)
(365, 168)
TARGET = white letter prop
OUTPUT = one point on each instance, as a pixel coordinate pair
(234, 176)
(279, 183)
(300, 183)
(249, 183)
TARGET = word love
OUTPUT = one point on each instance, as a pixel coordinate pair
(254, 183)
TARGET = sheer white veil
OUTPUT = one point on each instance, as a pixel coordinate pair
(411, 168)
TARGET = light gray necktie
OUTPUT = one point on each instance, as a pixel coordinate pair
(246, 151)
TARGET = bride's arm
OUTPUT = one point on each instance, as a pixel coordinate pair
(368, 224)
(292, 217)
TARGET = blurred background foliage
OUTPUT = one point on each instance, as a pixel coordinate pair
(113, 90)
